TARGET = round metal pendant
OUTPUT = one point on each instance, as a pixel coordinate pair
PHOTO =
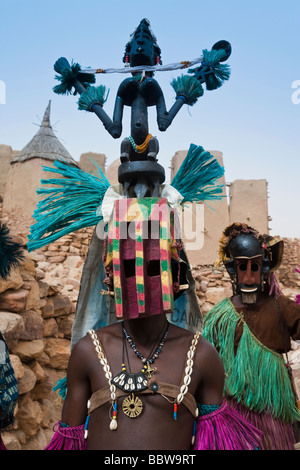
(132, 406)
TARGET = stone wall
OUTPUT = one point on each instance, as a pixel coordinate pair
(37, 305)
(291, 259)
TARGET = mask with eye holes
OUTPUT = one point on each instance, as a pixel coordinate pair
(248, 266)
(144, 271)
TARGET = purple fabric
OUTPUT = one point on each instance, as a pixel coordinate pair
(277, 435)
(67, 438)
(225, 429)
(2, 446)
(274, 287)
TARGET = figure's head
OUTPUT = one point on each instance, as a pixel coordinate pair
(249, 258)
(142, 49)
(143, 266)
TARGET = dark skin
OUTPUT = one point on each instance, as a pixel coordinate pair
(155, 428)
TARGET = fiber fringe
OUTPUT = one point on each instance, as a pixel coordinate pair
(61, 385)
(69, 207)
(196, 178)
(11, 253)
(68, 74)
(211, 71)
(67, 438)
(225, 429)
(188, 88)
(255, 376)
(276, 434)
(93, 95)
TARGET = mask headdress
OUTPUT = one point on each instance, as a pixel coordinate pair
(240, 241)
(142, 260)
(145, 274)
(142, 49)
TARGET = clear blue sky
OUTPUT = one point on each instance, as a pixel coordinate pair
(251, 119)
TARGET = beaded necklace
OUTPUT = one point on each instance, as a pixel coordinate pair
(132, 406)
(147, 361)
(141, 147)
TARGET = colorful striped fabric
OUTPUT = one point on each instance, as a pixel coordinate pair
(133, 213)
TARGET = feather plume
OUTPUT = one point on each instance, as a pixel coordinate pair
(11, 253)
(68, 74)
(94, 95)
(196, 178)
(211, 71)
(188, 88)
(70, 206)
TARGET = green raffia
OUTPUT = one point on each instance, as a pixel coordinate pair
(218, 73)
(70, 206)
(61, 385)
(67, 76)
(94, 95)
(197, 176)
(11, 252)
(256, 376)
(187, 87)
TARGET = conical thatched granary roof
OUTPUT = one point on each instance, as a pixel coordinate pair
(45, 145)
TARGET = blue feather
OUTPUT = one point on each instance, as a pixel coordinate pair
(187, 87)
(197, 176)
(68, 74)
(93, 95)
(69, 207)
(11, 252)
(61, 385)
(211, 71)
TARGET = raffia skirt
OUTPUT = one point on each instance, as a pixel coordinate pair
(277, 435)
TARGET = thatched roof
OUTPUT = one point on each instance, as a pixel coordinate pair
(45, 145)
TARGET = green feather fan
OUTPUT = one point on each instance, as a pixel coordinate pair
(69, 206)
(188, 88)
(94, 95)
(68, 74)
(212, 72)
(197, 176)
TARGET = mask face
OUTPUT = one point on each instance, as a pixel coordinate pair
(142, 48)
(140, 250)
(140, 274)
(248, 278)
(247, 267)
(250, 258)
